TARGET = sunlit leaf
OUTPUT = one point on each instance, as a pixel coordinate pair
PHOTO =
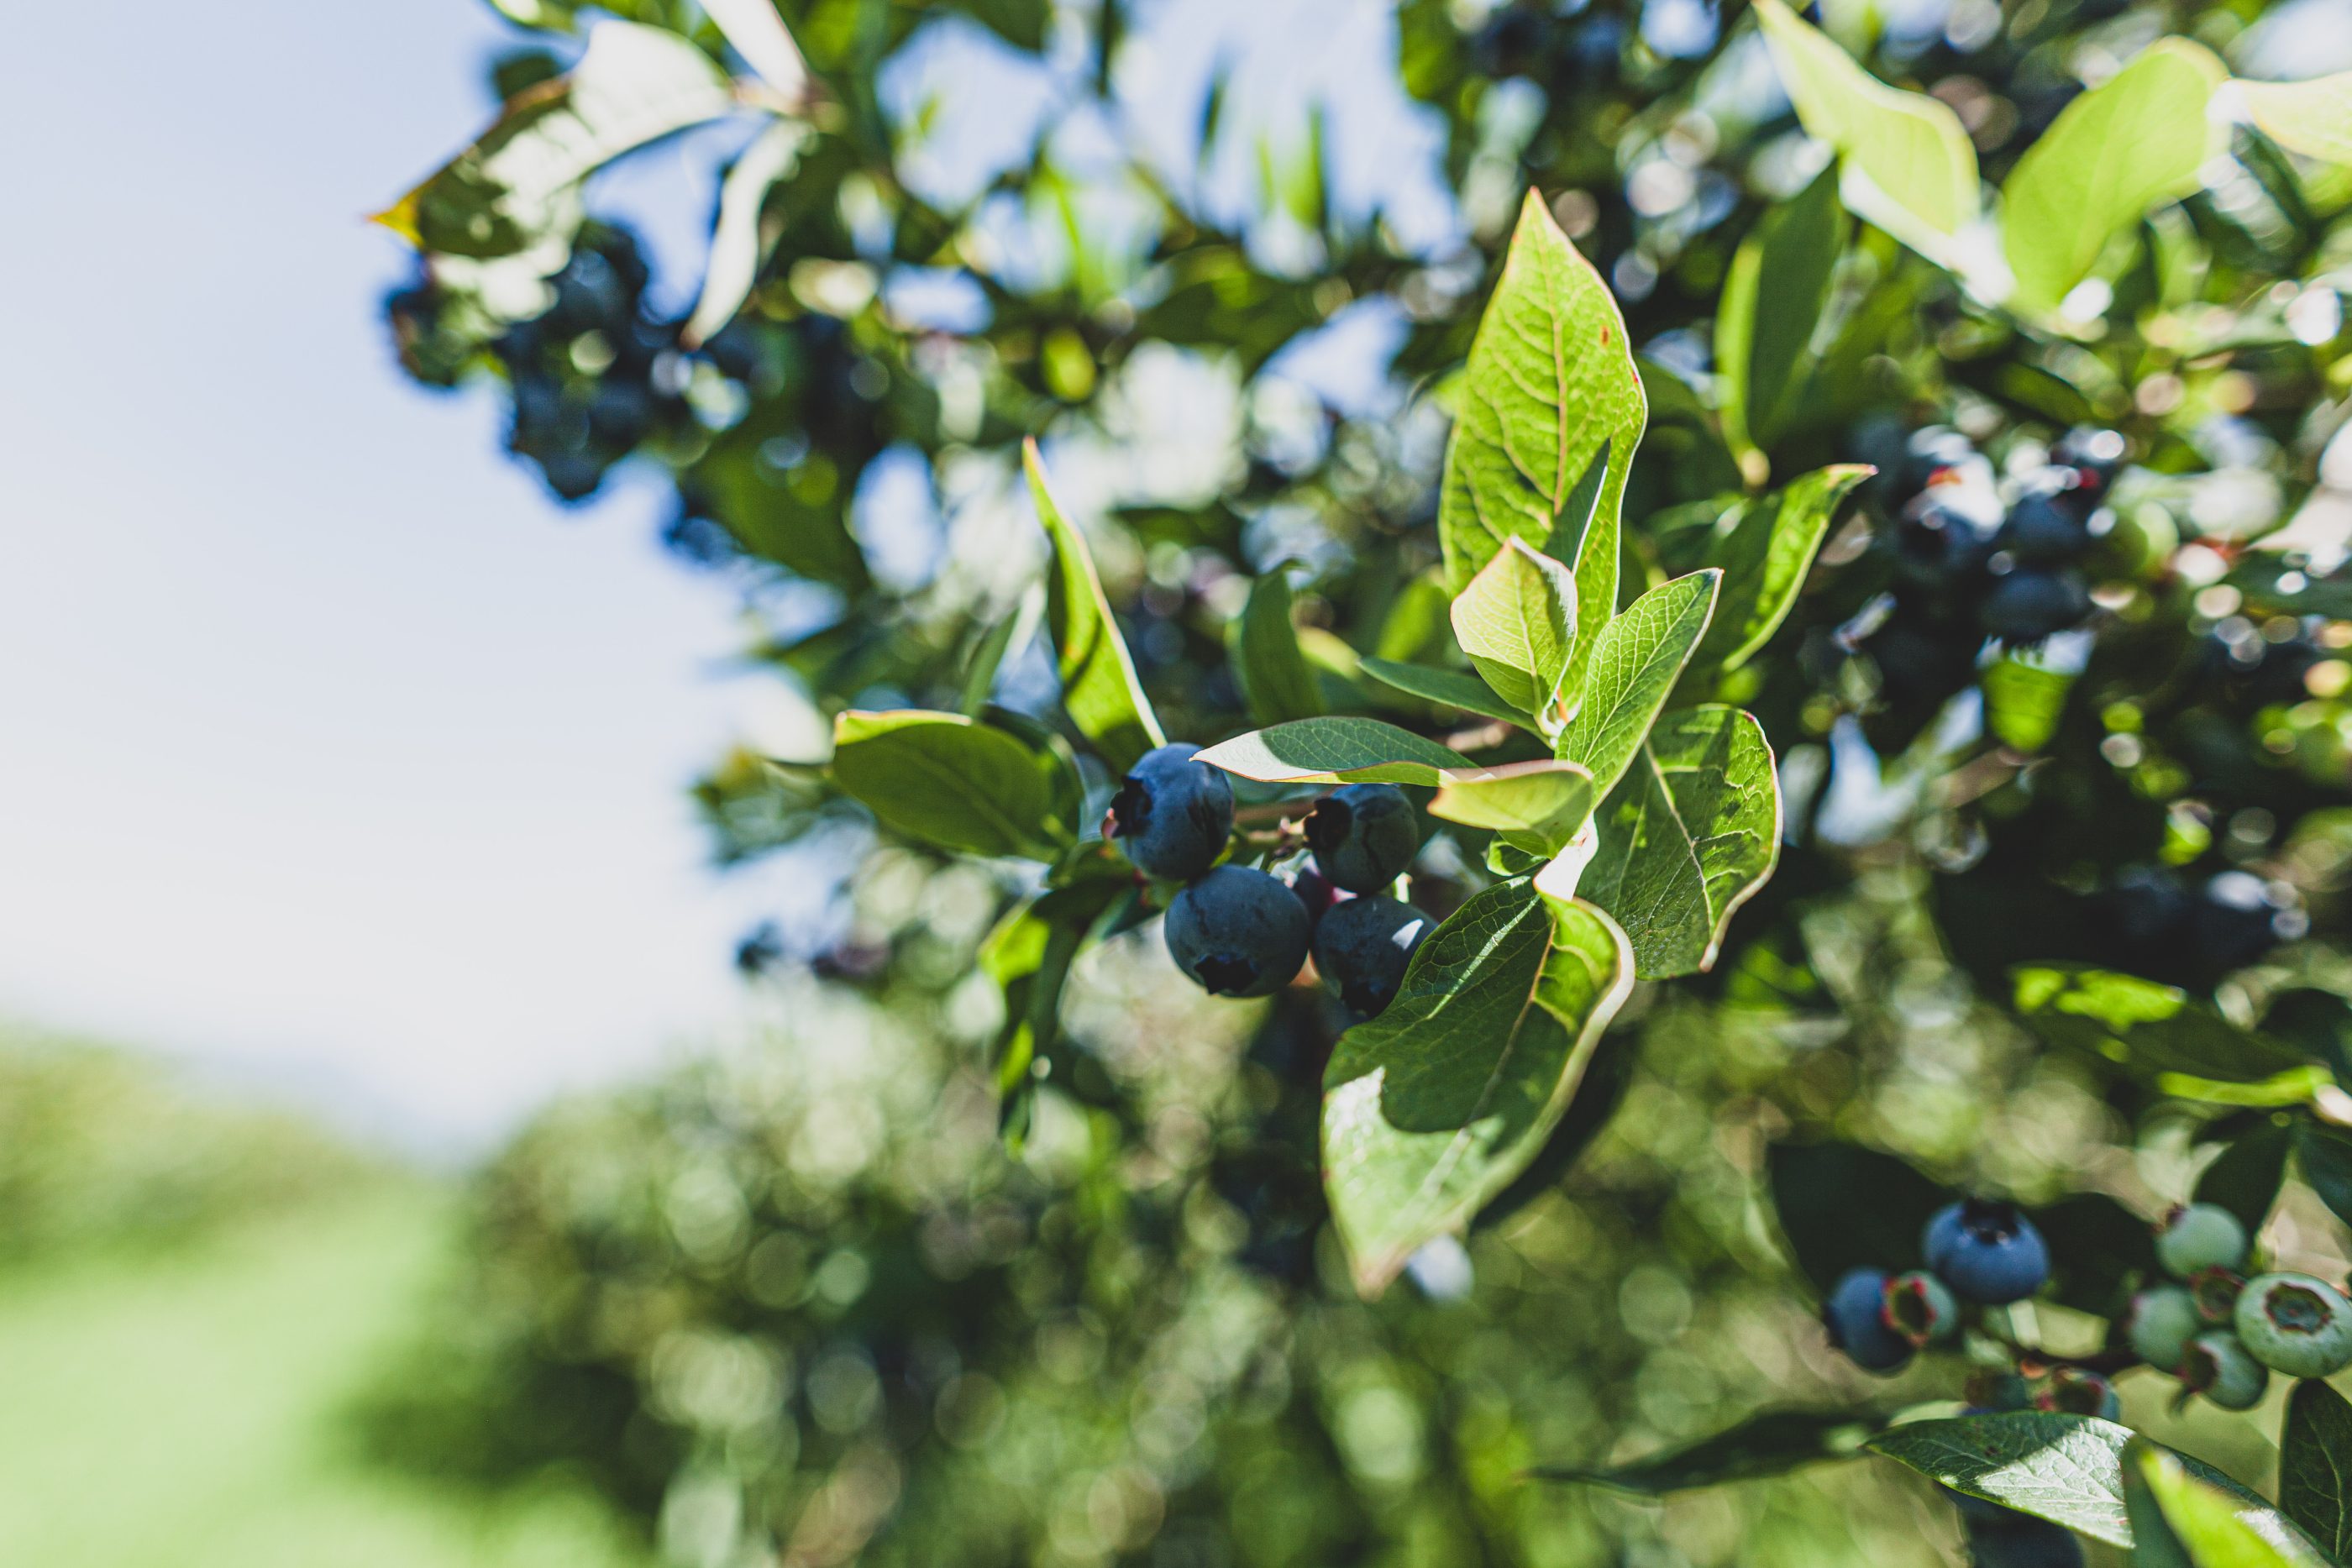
(956, 783)
(1452, 689)
(1690, 832)
(1765, 547)
(1517, 621)
(760, 35)
(737, 243)
(1099, 688)
(1907, 164)
(2162, 1035)
(1778, 287)
(2136, 141)
(1338, 751)
(1544, 801)
(2313, 118)
(1432, 1108)
(1636, 661)
(518, 184)
(1550, 385)
(2177, 1514)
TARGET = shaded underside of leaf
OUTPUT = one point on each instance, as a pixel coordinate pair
(1770, 1443)
(1451, 688)
(1433, 1107)
(1099, 688)
(1276, 679)
(1338, 751)
(2316, 1467)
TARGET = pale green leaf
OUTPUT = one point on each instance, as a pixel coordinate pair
(1636, 661)
(737, 243)
(2024, 698)
(1275, 678)
(1430, 1109)
(2176, 1516)
(1542, 800)
(1099, 689)
(1765, 547)
(2134, 142)
(2316, 1467)
(1778, 287)
(1550, 385)
(2159, 1033)
(1907, 164)
(2313, 118)
(956, 783)
(1338, 751)
(1451, 688)
(2065, 1468)
(1517, 621)
(518, 184)
(1689, 834)
(760, 35)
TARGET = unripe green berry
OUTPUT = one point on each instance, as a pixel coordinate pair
(2199, 1236)
(2220, 1368)
(2161, 1322)
(2216, 1293)
(1922, 1308)
(2080, 1392)
(2296, 1324)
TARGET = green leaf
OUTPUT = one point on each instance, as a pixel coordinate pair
(739, 242)
(1338, 751)
(2160, 1035)
(2024, 699)
(1772, 1443)
(1549, 385)
(1449, 688)
(1274, 676)
(760, 35)
(958, 784)
(2097, 1245)
(797, 518)
(1691, 831)
(1636, 661)
(1844, 1206)
(1765, 547)
(1546, 801)
(1099, 689)
(2316, 1467)
(2313, 118)
(1763, 353)
(2134, 142)
(519, 185)
(2064, 1469)
(1907, 164)
(2246, 1178)
(1518, 621)
(1028, 955)
(2324, 1155)
(2179, 1516)
(1432, 1108)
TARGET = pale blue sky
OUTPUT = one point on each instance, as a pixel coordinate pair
(329, 752)
(333, 756)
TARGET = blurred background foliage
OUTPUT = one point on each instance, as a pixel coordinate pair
(795, 1303)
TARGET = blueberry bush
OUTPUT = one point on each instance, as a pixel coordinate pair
(1787, 721)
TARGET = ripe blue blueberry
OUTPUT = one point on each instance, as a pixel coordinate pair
(1363, 836)
(1856, 1315)
(2047, 526)
(2295, 1324)
(2219, 1367)
(1171, 814)
(1363, 946)
(1987, 1252)
(1238, 932)
(1315, 891)
(2029, 604)
(2199, 1236)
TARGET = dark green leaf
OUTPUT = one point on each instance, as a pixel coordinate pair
(2179, 1515)
(2316, 1467)
(1778, 287)
(1274, 675)
(1517, 621)
(1099, 689)
(2095, 1246)
(1435, 1106)
(1636, 661)
(1338, 751)
(2324, 1155)
(955, 783)
(1770, 1444)
(1844, 1206)
(1765, 550)
(1692, 831)
(2246, 1178)
(1028, 956)
(1450, 688)
(2160, 1035)
(1551, 381)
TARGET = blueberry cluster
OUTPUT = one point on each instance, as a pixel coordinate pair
(1240, 932)
(1974, 559)
(2222, 1333)
(1977, 1252)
